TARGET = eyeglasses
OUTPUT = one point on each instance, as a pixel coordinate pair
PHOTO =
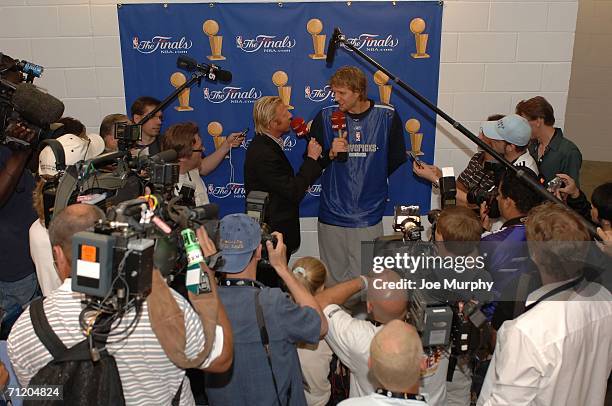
(200, 150)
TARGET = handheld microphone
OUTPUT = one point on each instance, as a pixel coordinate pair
(213, 72)
(300, 128)
(338, 120)
(331, 47)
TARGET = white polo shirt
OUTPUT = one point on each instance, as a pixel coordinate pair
(350, 340)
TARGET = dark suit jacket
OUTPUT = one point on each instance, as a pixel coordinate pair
(267, 169)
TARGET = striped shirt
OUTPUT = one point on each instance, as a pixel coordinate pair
(147, 375)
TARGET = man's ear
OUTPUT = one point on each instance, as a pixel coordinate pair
(63, 268)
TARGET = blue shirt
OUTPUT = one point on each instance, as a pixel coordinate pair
(16, 217)
(249, 380)
(354, 193)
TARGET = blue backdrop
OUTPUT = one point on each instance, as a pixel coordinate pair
(274, 49)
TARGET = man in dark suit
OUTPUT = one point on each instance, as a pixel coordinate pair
(267, 169)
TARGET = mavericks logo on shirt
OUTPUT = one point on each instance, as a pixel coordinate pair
(362, 150)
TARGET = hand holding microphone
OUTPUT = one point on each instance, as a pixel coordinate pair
(301, 130)
(339, 149)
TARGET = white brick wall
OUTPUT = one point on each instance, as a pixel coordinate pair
(494, 53)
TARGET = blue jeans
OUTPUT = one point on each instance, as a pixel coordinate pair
(14, 297)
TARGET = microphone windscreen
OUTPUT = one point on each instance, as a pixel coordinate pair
(224, 75)
(37, 107)
(168, 155)
(186, 63)
(298, 125)
(338, 120)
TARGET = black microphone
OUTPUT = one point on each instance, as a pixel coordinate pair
(168, 155)
(213, 72)
(205, 212)
(36, 106)
(331, 47)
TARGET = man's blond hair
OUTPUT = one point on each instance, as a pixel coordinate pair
(264, 112)
(395, 356)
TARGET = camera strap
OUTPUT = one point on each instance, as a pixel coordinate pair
(553, 292)
(265, 340)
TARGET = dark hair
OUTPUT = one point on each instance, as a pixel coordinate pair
(141, 103)
(72, 126)
(518, 191)
(106, 127)
(536, 107)
(495, 117)
(602, 200)
(180, 137)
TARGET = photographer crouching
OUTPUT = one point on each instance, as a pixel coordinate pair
(147, 375)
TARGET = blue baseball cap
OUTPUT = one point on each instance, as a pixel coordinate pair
(239, 236)
(512, 128)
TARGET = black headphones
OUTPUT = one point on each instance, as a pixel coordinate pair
(49, 189)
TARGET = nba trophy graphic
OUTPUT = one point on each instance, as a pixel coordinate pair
(177, 80)
(417, 26)
(211, 28)
(384, 90)
(215, 129)
(280, 79)
(314, 28)
(416, 138)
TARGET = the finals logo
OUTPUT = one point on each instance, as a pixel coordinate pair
(265, 43)
(233, 94)
(318, 95)
(374, 42)
(163, 44)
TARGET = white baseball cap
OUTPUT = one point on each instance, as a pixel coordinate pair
(75, 149)
(512, 128)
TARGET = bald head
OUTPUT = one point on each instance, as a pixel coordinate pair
(69, 221)
(385, 302)
(395, 357)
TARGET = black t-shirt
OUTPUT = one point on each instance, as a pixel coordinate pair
(16, 217)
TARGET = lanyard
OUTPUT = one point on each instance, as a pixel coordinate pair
(553, 292)
(400, 395)
(241, 283)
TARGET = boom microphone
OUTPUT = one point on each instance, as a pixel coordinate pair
(213, 72)
(338, 120)
(331, 47)
(300, 128)
(36, 106)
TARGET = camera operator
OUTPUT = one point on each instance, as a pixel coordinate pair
(147, 374)
(508, 136)
(395, 363)
(558, 351)
(505, 251)
(107, 133)
(267, 169)
(263, 372)
(17, 273)
(184, 138)
(150, 144)
(552, 151)
(77, 146)
(350, 337)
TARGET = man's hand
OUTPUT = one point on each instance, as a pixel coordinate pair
(428, 172)
(339, 144)
(484, 216)
(233, 140)
(605, 233)
(4, 376)
(314, 149)
(20, 132)
(206, 244)
(277, 256)
(569, 189)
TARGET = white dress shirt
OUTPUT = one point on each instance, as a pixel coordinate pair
(42, 256)
(557, 353)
